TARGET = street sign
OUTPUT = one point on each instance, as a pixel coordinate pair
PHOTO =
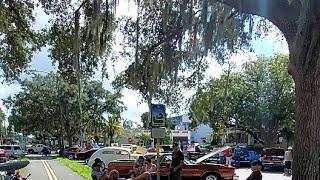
(158, 133)
(158, 115)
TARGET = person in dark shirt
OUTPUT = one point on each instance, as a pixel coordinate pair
(177, 163)
(256, 173)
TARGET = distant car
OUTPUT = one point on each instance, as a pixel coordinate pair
(191, 169)
(4, 156)
(166, 148)
(253, 156)
(14, 150)
(71, 152)
(108, 154)
(85, 155)
(242, 152)
(36, 149)
(273, 158)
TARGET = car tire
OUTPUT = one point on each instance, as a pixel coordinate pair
(70, 157)
(86, 160)
(31, 151)
(211, 177)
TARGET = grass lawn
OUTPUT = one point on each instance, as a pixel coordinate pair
(83, 170)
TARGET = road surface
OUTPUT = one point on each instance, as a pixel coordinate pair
(243, 173)
(46, 168)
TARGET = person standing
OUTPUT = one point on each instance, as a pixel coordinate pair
(228, 156)
(256, 171)
(288, 158)
(177, 163)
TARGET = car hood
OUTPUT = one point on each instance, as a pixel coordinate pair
(199, 160)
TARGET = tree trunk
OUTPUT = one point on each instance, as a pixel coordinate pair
(307, 128)
(70, 141)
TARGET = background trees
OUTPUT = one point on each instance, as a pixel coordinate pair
(48, 105)
(258, 99)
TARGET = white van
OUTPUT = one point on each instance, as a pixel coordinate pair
(14, 150)
(108, 154)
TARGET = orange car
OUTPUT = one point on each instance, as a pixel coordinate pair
(191, 169)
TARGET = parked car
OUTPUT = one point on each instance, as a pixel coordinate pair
(109, 154)
(71, 152)
(4, 156)
(85, 155)
(36, 149)
(191, 169)
(253, 156)
(273, 158)
(240, 153)
(14, 150)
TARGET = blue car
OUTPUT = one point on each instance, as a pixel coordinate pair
(243, 157)
(253, 156)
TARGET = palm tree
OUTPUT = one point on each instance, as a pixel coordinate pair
(113, 128)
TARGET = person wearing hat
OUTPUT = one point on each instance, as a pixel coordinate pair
(101, 164)
(256, 171)
(288, 158)
(97, 174)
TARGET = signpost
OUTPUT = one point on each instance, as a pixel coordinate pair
(158, 131)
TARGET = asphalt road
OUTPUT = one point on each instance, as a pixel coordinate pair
(243, 173)
(46, 168)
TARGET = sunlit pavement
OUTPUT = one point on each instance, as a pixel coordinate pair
(243, 173)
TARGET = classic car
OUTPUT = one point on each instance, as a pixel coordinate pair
(85, 155)
(71, 152)
(273, 158)
(191, 169)
(245, 155)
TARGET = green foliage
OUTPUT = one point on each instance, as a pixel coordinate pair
(18, 40)
(87, 40)
(144, 119)
(48, 105)
(171, 40)
(261, 98)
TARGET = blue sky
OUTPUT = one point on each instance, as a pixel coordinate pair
(269, 45)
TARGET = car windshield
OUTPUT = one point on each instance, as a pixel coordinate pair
(169, 158)
(274, 152)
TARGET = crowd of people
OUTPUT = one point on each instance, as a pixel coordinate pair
(144, 169)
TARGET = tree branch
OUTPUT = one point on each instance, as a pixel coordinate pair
(279, 12)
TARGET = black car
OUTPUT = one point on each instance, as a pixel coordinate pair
(85, 155)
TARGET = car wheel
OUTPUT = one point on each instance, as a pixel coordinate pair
(211, 177)
(70, 157)
(86, 160)
(31, 151)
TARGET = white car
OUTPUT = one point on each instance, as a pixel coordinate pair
(108, 154)
(14, 150)
(36, 148)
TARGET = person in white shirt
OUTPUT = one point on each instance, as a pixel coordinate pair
(288, 158)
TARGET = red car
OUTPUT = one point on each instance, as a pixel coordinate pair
(191, 169)
(273, 158)
(4, 156)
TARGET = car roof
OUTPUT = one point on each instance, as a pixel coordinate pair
(114, 148)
